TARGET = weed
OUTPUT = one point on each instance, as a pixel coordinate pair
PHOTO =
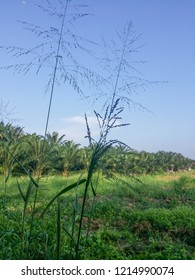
(121, 227)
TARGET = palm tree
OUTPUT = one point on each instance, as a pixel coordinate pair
(69, 156)
(38, 154)
(10, 138)
(54, 139)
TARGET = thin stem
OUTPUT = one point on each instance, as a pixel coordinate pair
(58, 230)
(92, 208)
(89, 177)
(118, 74)
(55, 68)
(5, 197)
(105, 129)
(33, 211)
(82, 214)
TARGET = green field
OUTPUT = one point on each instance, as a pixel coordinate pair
(148, 217)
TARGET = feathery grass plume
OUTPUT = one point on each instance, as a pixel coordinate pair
(59, 50)
(99, 149)
(121, 84)
(124, 79)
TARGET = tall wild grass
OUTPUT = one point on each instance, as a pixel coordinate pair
(117, 90)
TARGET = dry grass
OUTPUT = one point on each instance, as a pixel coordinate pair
(176, 175)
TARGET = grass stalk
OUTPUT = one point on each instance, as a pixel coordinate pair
(58, 230)
(92, 166)
(25, 199)
(55, 68)
(33, 214)
(92, 208)
(89, 177)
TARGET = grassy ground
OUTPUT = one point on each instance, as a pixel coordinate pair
(150, 217)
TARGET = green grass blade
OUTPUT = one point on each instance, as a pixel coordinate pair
(58, 230)
(26, 171)
(9, 172)
(28, 192)
(70, 187)
(21, 193)
(66, 231)
(93, 190)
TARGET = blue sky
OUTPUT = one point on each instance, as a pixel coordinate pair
(168, 36)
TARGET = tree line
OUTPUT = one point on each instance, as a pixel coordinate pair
(54, 155)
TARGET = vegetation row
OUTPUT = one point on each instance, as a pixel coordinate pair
(54, 155)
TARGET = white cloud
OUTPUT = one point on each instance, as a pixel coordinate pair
(80, 120)
(75, 128)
